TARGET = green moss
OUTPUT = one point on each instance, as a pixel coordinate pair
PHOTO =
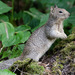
(57, 67)
(70, 38)
(34, 68)
(20, 63)
(29, 67)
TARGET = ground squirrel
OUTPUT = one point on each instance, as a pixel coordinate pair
(42, 39)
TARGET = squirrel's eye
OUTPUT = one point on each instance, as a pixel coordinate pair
(60, 12)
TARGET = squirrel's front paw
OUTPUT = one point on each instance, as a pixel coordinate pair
(64, 36)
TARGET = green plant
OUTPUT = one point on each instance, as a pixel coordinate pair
(6, 72)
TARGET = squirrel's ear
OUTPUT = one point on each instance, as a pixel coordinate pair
(52, 8)
(55, 6)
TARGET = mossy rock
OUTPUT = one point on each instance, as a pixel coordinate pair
(28, 66)
(63, 60)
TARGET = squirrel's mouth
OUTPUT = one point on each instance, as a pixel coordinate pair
(66, 17)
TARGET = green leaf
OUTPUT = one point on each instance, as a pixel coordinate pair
(6, 53)
(34, 22)
(10, 37)
(6, 26)
(4, 8)
(26, 36)
(15, 52)
(6, 72)
(22, 28)
(26, 18)
(8, 41)
(6, 30)
(72, 19)
(4, 18)
(21, 47)
(36, 12)
(19, 37)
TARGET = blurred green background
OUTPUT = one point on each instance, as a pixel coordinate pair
(19, 18)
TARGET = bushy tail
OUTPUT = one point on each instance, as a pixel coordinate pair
(6, 64)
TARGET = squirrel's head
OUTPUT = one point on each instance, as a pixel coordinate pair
(59, 13)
